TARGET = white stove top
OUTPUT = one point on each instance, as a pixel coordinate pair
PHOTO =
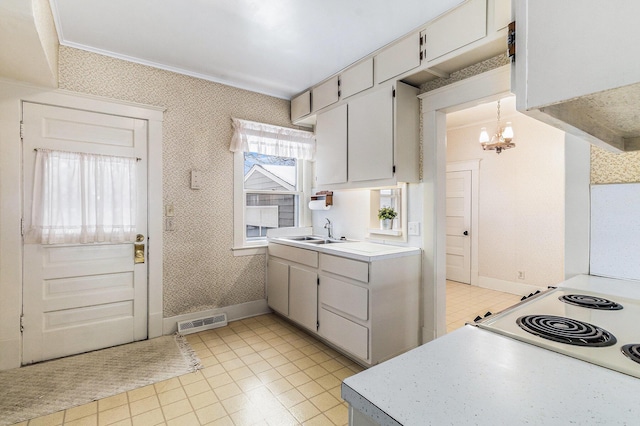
(623, 324)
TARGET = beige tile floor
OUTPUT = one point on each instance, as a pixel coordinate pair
(258, 371)
(465, 302)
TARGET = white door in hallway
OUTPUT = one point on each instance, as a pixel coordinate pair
(82, 297)
(458, 212)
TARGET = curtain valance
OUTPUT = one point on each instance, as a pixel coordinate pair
(249, 136)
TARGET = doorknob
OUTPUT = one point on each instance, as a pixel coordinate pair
(138, 249)
(465, 233)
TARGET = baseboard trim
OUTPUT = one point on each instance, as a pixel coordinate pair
(234, 313)
(513, 287)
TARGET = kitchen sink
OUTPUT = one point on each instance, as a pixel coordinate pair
(312, 240)
(305, 238)
(325, 241)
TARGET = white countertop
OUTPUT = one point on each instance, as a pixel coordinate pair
(359, 250)
(476, 377)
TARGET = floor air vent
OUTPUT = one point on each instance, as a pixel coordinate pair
(193, 326)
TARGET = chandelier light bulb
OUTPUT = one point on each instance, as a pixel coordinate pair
(484, 136)
(508, 132)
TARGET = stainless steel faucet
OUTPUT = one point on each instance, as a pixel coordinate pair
(329, 228)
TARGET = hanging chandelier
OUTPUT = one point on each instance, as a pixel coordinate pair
(502, 138)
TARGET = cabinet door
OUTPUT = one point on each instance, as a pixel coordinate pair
(331, 146)
(278, 286)
(325, 94)
(370, 150)
(461, 26)
(356, 79)
(398, 58)
(300, 105)
(303, 297)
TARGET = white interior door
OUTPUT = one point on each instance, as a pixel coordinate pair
(82, 297)
(458, 212)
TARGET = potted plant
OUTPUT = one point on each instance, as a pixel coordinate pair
(386, 216)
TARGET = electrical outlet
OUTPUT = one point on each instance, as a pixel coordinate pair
(413, 228)
(521, 275)
(169, 224)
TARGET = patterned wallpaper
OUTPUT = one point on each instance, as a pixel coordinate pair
(470, 71)
(200, 271)
(609, 167)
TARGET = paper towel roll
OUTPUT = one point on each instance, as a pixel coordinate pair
(318, 205)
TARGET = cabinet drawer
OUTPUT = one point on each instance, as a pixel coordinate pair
(346, 267)
(347, 334)
(305, 257)
(345, 297)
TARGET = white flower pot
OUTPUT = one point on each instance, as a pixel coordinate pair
(386, 224)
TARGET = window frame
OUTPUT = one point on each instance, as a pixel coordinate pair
(242, 246)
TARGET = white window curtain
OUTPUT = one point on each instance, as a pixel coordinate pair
(249, 136)
(83, 198)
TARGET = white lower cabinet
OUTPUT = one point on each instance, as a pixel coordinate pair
(367, 309)
(278, 290)
(303, 297)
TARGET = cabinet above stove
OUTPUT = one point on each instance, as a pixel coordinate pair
(576, 68)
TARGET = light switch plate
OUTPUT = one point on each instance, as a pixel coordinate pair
(169, 211)
(413, 228)
(195, 179)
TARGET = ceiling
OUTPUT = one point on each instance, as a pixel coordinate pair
(479, 114)
(275, 47)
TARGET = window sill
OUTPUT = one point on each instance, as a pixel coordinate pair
(250, 250)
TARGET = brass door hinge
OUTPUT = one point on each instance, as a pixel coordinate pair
(511, 41)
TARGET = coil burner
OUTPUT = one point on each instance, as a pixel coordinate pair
(566, 330)
(632, 351)
(591, 302)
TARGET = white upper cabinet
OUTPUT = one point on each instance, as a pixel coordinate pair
(381, 146)
(383, 137)
(324, 94)
(398, 58)
(301, 105)
(356, 79)
(577, 67)
(331, 146)
(459, 27)
(371, 136)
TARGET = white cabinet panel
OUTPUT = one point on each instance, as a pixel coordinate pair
(278, 286)
(398, 58)
(461, 26)
(346, 334)
(331, 146)
(346, 267)
(303, 297)
(301, 105)
(305, 257)
(348, 298)
(356, 79)
(325, 94)
(370, 148)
